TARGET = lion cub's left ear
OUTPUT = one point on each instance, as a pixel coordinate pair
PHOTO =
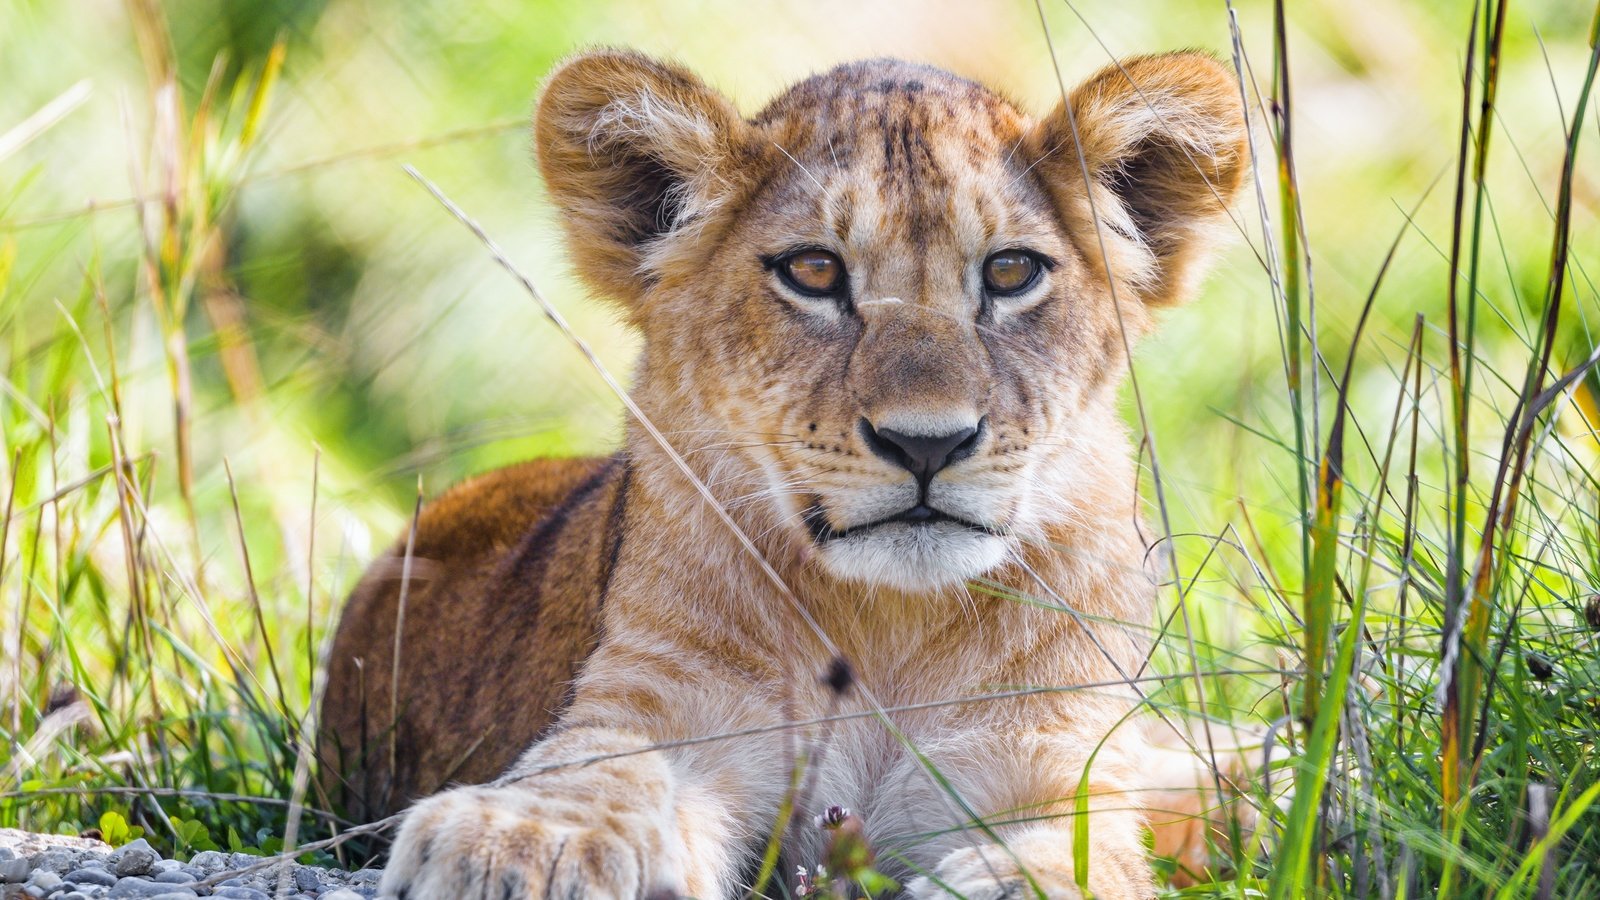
(1163, 139)
(634, 151)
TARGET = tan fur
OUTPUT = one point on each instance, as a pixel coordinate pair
(619, 573)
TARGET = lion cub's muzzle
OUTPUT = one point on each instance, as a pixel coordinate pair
(922, 451)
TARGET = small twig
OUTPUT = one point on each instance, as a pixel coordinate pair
(399, 632)
(350, 834)
(255, 595)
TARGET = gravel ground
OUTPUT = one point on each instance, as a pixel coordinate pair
(37, 866)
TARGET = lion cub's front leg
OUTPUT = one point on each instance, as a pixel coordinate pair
(624, 828)
(1031, 782)
(1037, 861)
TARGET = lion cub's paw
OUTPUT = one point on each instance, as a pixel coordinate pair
(514, 843)
(989, 873)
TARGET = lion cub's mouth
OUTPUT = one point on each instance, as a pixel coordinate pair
(919, 516)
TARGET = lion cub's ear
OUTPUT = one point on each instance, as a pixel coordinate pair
(632, 151)
(1164, 142)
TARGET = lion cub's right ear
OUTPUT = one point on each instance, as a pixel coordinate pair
(635, 152)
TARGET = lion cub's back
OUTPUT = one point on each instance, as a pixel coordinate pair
(508, 576)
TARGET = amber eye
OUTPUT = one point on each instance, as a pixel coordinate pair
(1010, 271)
(815, 272)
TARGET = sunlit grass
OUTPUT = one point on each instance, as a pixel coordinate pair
(1384, 539)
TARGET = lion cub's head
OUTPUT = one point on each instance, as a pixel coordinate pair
(889, 304)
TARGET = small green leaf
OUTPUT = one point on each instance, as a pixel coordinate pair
(875, 883)
(114, 828)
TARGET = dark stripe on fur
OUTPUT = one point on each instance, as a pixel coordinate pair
(533, 557)
(614, 523)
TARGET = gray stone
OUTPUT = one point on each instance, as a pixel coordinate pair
(45, 880)
(58, 861)
(175, 876)
(210, 861)
(7, 854)
(366, 876)
(242, 860)
(166, 865)
(172, 895)
(138, 887)
(14, 871)
(136, 844)
(235, 892)
(89, 875)
(341, 894)
(306, 881)
(73, 895)
(135, 861)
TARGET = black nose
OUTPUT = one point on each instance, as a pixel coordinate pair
(923, 455)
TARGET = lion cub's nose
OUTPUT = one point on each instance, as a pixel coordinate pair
(923, 455)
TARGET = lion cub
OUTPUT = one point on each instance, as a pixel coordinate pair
(885, 321)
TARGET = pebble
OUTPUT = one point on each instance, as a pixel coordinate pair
(135, 861)
(52, 867)
(138, 887)
(241, 893)
(58, 861)
(14, 871)
(89, 875)
(210, 861)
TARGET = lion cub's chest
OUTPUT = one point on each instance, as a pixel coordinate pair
(861, 766)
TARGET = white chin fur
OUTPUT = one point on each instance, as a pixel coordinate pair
(913, 558)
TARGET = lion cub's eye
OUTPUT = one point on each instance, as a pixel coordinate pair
(1010, 271)
(814, 272)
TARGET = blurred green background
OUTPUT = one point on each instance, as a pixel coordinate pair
(340, 326)
(383, 334)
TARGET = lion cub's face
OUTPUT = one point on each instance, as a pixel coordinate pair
(886, 298)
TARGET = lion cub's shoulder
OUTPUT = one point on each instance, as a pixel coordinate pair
(496, 508)
(500, 605)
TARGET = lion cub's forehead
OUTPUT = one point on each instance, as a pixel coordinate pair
(857, 104)
(919, 151)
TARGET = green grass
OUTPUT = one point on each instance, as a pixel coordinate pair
(221, 382)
